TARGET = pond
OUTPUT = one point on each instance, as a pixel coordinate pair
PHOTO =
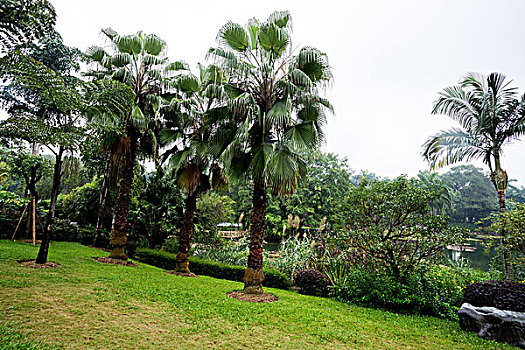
(474, 252)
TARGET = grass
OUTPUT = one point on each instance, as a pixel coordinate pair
(89, 305)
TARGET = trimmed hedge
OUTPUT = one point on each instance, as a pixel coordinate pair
(164, 260)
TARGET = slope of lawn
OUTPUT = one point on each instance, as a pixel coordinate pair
(89, 305)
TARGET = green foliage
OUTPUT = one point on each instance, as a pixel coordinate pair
(156, 209)
(509, 228)
(227, 252)
(475, 196)
(11, 207)
(295, 254)
(23, 21)
(212, 209)
(389, 221)
(434, 290)
(165, 260)
(81, 205)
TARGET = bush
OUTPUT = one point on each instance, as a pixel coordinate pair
(227, 252)
(431, 290)
(312, 282)
(165, 260)
(296, 254)
(498, 294)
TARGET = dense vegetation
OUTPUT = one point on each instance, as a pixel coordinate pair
(220, 173)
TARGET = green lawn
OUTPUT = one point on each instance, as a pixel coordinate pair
(89, 305)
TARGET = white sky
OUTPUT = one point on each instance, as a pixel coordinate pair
(390, 59)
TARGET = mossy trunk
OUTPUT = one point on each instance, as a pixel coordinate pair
(254, 275)
(120, 223)
(55, 190)
(182, 259)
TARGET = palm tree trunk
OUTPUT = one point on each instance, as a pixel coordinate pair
(55, 190)
(102, 199)
(500, 179)
(120, 223)
(254, 275)
(182, 259)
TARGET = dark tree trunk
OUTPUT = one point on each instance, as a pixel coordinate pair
(254, 275)
(55, 190)
(182, 260)
(120, 223)
(102, 199)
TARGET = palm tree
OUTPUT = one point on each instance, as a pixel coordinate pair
(274, 94)
(138, 61)
(198, 128)
(490, 116)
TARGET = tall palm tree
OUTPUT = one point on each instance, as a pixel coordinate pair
(198, 128)
(490, 116)
(138, 61)
(274, 93)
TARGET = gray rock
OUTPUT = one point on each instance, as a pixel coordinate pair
(494, 324)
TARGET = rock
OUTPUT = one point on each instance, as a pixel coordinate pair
(494, 324)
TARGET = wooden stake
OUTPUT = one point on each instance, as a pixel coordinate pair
(19, 221)
(34, 221)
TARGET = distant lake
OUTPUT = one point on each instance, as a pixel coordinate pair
(478, 258)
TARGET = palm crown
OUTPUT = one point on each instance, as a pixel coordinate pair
(489, 115)
(274, 96)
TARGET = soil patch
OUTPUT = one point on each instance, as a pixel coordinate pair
(32, 264)
(106, 260)
(190, 274)
(253, 298)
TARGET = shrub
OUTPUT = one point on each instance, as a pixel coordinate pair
(312, 282)
(165, 260)
(227, 252)
(498, 294)
(296, 254)
(432, 290)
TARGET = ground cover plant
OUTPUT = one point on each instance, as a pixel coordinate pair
(86, 304)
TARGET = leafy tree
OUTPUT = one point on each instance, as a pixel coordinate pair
(212, 209)
(390, 222)
(157, 207)
(490, 116)
(66, 101)
(139, 62)
(198, 129)
(22, 21)
(31, 168)
(274, 94)
(512, 224)
(475, 196)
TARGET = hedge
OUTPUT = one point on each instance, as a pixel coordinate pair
(273, 278)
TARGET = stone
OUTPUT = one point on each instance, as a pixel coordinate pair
(494, 324)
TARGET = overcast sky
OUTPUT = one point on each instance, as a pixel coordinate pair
(390, 59)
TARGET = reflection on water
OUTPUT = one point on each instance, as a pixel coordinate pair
(478, 258)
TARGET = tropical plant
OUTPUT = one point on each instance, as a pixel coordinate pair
(490, 116)
(198, 128)
(391, 223)
(22, 21)
(66, 101)
(274, 95)
(139, 62)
